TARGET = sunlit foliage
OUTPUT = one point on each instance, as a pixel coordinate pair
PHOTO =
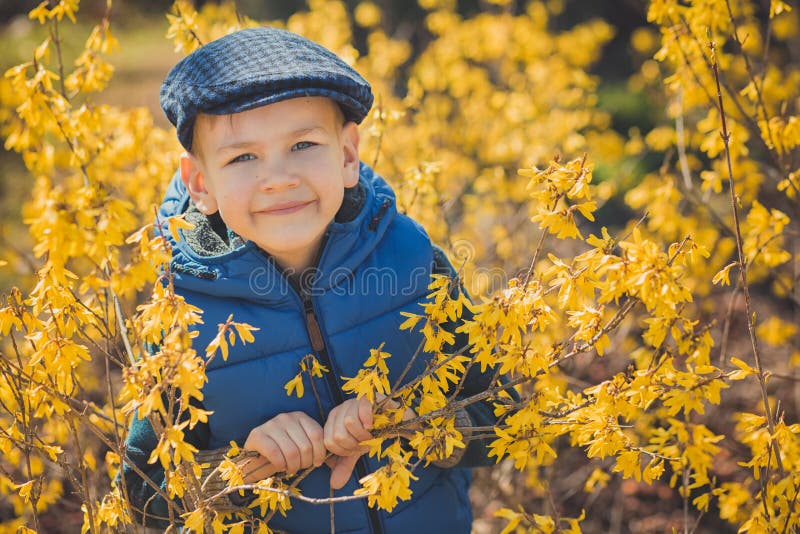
(466, 130)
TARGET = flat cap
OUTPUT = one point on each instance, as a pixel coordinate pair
(255, 67)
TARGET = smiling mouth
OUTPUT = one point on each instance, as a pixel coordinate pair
(285, 208)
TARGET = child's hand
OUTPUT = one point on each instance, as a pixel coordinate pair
(348, 424)
(288, 442)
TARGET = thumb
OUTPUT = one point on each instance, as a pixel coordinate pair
(365, 413)
(341, 472)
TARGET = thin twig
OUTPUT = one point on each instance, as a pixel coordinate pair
(742, 262)
(57, 42)
(191, 31)
(754, 78)
(123, 329)
(685, 488)
(790, 512)
(382, 123)
(288, 493)
(680, 135)
(23, 414)
(408, 366)
(534, 259)
(85, 489)
(732, 93)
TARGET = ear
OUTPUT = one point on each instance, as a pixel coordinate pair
(193, 178)
(349, 138)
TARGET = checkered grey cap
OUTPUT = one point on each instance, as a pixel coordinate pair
(256, 67)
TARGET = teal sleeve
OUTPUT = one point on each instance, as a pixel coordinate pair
(148, 506)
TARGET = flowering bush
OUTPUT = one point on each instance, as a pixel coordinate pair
(623, 345)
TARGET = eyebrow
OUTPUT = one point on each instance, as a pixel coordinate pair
(247, 144)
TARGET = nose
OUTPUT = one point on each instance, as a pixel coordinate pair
(276, 176)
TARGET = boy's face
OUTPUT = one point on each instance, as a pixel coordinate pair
(275, 173)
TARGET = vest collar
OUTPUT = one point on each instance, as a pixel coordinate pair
(203, 260)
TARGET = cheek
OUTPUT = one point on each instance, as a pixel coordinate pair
(232, 200)
(333, 199)
(233, 186)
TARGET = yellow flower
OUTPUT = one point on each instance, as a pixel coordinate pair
(295, 385)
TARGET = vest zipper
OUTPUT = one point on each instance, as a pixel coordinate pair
(314, 331)
(318, 344)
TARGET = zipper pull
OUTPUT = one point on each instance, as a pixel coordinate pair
(312, 325)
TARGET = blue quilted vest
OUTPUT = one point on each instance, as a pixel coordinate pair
(370, 269)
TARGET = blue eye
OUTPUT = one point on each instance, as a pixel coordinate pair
(302, 145)
(242, 157)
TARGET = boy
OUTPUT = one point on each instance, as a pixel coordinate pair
(294, 235)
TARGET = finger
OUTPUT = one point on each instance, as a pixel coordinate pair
(341, 441)
(336, 438)
(365, 415)
(327, 431)
(342, 470)
(255, 469)
(289, 453)
(265, 445)
(317, 439)
(303, 446)
(292, 444)
(355, 427)
(330, 423)
(332, 460)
